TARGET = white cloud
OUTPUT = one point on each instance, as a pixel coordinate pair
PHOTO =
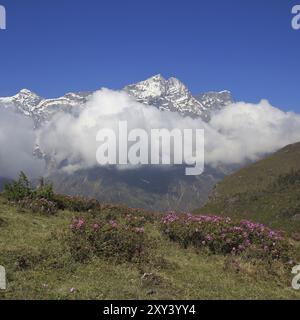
(245, 131)
(239, 132)
(17, 140)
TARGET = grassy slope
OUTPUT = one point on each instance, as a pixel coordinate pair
(250, 193)
(34, 256)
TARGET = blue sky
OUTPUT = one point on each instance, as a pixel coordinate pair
(246, 46)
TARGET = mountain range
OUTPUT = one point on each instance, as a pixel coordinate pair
(170, 95)
(151, 188)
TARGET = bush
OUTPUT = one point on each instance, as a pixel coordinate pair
(77, 204)
(111, 239)
(19, 189)
(45, 190)
(38, 205)
(39, 200)
(223, 236)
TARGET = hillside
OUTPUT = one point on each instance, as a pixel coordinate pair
(153, 188)
(267, 191)
(75, 248)
(150, 188)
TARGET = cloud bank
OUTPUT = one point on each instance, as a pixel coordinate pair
(238, 133)
(244, 131)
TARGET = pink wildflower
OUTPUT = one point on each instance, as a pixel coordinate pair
(139, 230)
(96, 226)
(113, 224)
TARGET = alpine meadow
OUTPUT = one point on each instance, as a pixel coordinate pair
(149, 156)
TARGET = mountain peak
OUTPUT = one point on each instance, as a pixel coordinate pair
(214, 100)
(176, 83)
(170, 95)
(25, 91)
(157, 77)
(172, 81)
(173, 95)
(225, 91)
(150, 88)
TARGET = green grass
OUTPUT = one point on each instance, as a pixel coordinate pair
(39, 266)
(267, 191)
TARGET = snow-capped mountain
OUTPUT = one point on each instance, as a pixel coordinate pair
(214, 101)
(156, 189)
(40, 109)
(173, 95)
(165, 94)
(22, 102)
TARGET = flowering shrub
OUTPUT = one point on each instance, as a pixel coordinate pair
(77, 204)
(115, 239)
(222, 235)
(38, 205)
(132, 215)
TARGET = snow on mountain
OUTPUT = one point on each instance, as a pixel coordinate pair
(214, 101)
(173, 95)
(22, 102)
(40, 109)
(170, 95)
(165, 94)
